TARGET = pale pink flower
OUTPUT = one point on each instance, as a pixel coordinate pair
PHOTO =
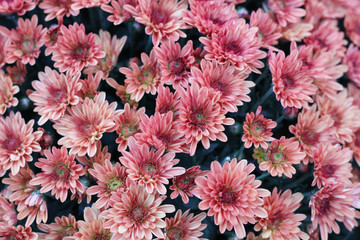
(287, 11)
(17, 73)
(352, 61)
(117, 12)
(8, 232)
(58, 9)
(166, 101)
(352, 23)
(297, 31)
(51, 38)
(100, 157)
(7, 92)
(20, 7)
(80, 4)
(3, 40)
(7, 212)
(90, 85)
(60, 229)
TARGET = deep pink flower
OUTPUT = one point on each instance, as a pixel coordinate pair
(287, 11)
(166, 101)
(117, 12)
(90, 85)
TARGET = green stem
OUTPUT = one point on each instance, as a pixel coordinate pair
(262, 176)
(300, 180)
(262, 99)
(262, 76)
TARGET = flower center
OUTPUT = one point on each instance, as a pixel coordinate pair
(115, 183)
(227, 196)
(309, 137)
(183, 182)
(176, 66)
(174, 233)
(159, 15)
(324, 206)
(100, 236)
(138, 213)
(13, 143)
(80, 52)
(28, 45)
(197, 118)
(328, 170)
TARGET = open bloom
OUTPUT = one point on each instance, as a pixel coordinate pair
(117, 12)
(287, 11)
(17, 6)
(352, 61)
(166, 101)
(85, 123)
(7, 92)
(7, 212)
(53, 93)
(17, 73)
(257, 129)
(351, 24)
(18, 232)
(232, 195)
(17, 142)
(61, 228)
(58, 9)
(136, 214)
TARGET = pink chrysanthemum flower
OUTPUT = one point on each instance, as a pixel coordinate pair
(80, 4)
(53, 93)
(142, 79)
(282, 221)
(257, 129)
(58, 9)
(184, 226)
(337, 8)
(160, 131)
(7, 92)
(76, 49)
(150, 168)
(232, 195)
(267, 28)
(345, 115)
(167, 101)
(51, 38)
(25, 41)
(312, 129)
(330, 203)
(17, 73)
(85, 123)
(352, 23)
(175, 62)
(8, 232)
(17, 142)
(136, 214)
(100, 157)
(184, 184)
(117, 12)
(3, 41)
(60, 229)
(201, 117)
(238, 44)
(332, 164)
(281, 155)
(112, 48)
(90, 86)
(110, 179)
(60, 173)
(127, 125)
(224, 80)
(163, 18)
(288, 11)
(20, 7)
(209, 17)
(7, 212)
(297, 31)
(352, 61)
(292, 86)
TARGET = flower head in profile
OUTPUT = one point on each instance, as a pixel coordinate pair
(166, 101)
(121, 92)
(281, 155)
(90, 85)
(163, 18)
(352, 61)
(85, 123)
(136, 214)
(7, 212)
(60, 173)
(237, 44)
(17, 142)
(117, 12)
(150, 168)
(287, 11)
(25, 41)
(257, 129)
(8, 232)
(232, 195)
(76, 49)
(7, 92)
(53, 93)
(282, 222)
(61, 228)
(58, 9)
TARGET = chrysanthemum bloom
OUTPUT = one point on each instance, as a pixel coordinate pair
(76, 49)
(343, 113)
(51, 38)
(352, 61)
(7, 212)
(297, 31)
(282, 222)
(167, 101)
(351, 24)
(110, 179)
(184, 226)
(90, 86)
(337, 8)
(61, 228)
(93, 226)
(7, 92)
(142, 79)
(287, 11)
(53, 93)
(150, 168)
(136, 214)
(209, 17)
(201, 117)
(312, 129)
(17, 73)
(332, 164)
(58, 9)
(267, 28)
(17, 142)
(175, 62)
(238, 44)
(257, 129)
(292, 86)
(60, 173)
(112, 48)
(160, 131)
(184, 184)
(20, 7)
(327, 36)
(117, 12)
(3, 41)
(9, 232)
(85, 123)
(25, 41)
(224, 80)
(281, 155)
(232, 195)
(332, 202)
(100, 157)
(127, 125)
(163, 18)
(80, 4)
